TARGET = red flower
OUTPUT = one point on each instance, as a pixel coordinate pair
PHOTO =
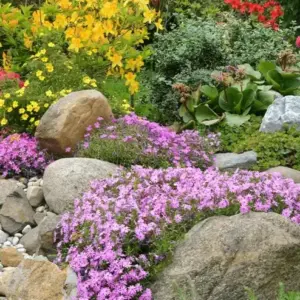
(298, 42)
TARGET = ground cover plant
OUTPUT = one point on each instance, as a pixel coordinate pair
(132, 140)
(122, 228)
(20, 155)
(273, 149)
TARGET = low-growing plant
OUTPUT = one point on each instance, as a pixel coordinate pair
(113, 239)
(20, 155)
(280, 148)
(132, 140)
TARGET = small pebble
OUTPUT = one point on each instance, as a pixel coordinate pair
(19, 235)
(21, 250)
(26, 229)
(21, 185)
(40, 209)
(30, 184)
(41, 182)
(25, 190)
(10, 239)
(33, 179)
(19, 246)
(23, 180)
(15, 241)
(7, 243)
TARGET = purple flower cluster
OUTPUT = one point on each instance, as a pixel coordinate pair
(19, 154)
(139, 206)
(149, 143)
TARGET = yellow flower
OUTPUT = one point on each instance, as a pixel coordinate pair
(24, 117)
(139, 63)
(75, 44)
(32, 120)
(130, 77)
(49, 93)
(9, 109)
(41, 78)
(51, 45)
(39, 73)
(2, 102)
(86, 80)
(158, 24)
(134, 87)
(7, 95)
(89, 53)
(49, 67)
(94, 84)
(36, 123)
(44, 59)
(21, 111)
(15, 104)
(130, 64)
(26, 83)
(46, 105)
(27, 41)
(43, 51)
(109, 9)
(116, 60)
(149, 16)
(4, 121)
(29, 108)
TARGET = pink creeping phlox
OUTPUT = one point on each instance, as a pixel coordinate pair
(137, 207)
(19, 154)
(151, 140)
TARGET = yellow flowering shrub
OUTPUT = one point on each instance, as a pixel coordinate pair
(71, 45)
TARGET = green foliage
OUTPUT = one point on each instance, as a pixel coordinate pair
(189, 54)
(282, 294)
(281, 148)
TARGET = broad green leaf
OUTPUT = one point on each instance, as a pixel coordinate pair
(210, 91)
(265, 66)
(248, 98)
(204, 112)
(254, 75)
(230, 98)
(236, 120)
(275, 79)
(190, 105)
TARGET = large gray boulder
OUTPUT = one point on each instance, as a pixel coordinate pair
(284, 110)
(31, 241)
(221, 256)
(67, 179)
(7, 187)
(16, 212)
(232, 161)
(65, 122)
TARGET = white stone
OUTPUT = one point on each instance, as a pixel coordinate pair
(19, 235)
(40, 209)
(33, 179)
(15, 241)
(22, 250)
(10, 239)
(3, 236)
(7, 243)
(19, 246)
(26, 229)
(284, 110)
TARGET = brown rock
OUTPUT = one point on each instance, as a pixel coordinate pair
(10, 257)
(65, 122)
(36, 280)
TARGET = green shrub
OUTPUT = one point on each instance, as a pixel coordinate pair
(281, 148)
(189, 54)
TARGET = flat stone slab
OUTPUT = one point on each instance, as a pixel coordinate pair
(286, 173)
(231, 161)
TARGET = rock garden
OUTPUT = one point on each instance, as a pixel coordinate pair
(149, 150)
